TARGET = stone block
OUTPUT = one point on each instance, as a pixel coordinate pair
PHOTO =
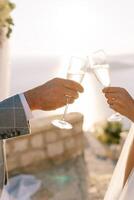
(21, 145)
(13, 163)
(32, 157)
(55, 149)
(78, 152)
(65, 133)
(51, 136)
(78, 127)
(37, 141)
(69, 143)
(79, 140)
(9, 148)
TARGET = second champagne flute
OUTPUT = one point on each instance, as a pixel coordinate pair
(75, 72)
(101, 70)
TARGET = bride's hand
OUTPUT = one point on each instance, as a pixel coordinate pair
(120, 101)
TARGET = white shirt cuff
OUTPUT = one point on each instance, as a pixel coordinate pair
(26, 106)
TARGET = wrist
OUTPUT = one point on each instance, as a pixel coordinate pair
(132, 111)
(131, 118)
(30, 100)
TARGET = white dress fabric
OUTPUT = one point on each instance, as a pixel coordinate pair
(128, 191)
(5, 196)
(116, 191)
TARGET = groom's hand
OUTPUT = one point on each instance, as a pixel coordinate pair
(53, 94)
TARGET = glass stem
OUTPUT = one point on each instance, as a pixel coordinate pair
(65, 111)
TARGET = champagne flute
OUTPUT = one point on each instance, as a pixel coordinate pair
(75, 72)
(100, 68)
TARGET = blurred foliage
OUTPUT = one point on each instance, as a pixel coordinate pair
(5, 18)
(108, 132)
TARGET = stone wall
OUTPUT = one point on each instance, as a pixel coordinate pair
(46, 146)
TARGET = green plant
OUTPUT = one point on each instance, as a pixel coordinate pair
(5, 18)
(109, 132)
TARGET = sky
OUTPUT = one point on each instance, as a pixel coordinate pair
(68, 27)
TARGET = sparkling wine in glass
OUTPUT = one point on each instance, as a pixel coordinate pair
(102, 74)
(78, 77)
(101, 70)
(75, 72)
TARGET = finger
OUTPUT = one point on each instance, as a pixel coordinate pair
(71, 93)
(73, 85)
(70, 100)
(62, 102)
(112, 89)
(110, 102)
(112, 96)
(113, 108)
(115, 102)
(105, 90)
(116, 108)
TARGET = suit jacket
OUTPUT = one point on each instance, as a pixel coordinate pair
(13, 123)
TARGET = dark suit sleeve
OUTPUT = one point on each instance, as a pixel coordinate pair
(13, 120)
